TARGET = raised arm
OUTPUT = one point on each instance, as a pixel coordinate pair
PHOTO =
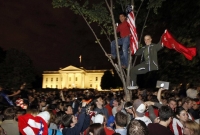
(15, 93)
(159, 94)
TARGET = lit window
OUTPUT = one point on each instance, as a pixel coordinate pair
(90, 85)
(96, 78)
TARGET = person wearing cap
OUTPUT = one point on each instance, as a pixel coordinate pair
(99, 118)
(139, 110)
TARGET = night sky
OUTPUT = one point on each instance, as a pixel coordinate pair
(52, 38)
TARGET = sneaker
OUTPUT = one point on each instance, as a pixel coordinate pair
(132, 87)
(112, 57)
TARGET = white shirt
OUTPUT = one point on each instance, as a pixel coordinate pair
(145, 119)
(114, 111)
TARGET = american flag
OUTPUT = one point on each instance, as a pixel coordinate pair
(133, 36)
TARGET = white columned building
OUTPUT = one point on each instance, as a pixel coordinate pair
(72, 77)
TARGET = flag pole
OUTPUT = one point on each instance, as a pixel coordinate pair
(80, 57)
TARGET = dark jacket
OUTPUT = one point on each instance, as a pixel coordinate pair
(153, 60)
(82, 124)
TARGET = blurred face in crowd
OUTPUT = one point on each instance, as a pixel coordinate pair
(164, 101)
(195, 106)
(99, 101)
(115, 103)
(179, 103)
(129, 110)
(74, 121)
(189, 104)
(69, 110)
(172, 104)
(122, 18)
(183, 116)
(147, 39)
(43, 103)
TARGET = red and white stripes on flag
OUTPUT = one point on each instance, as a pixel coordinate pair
(133, 36)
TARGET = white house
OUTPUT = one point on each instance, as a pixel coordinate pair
(72, 77)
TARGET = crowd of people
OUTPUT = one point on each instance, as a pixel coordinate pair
(149, 112)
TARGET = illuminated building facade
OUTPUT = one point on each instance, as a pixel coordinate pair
(72, 77)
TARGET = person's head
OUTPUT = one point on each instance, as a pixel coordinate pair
(96, 129)
(43, 102)
(195, 104)
(137, 127)
(120, 119)
(108, 100)
(9, 113)
(128, 106)
(147, 39)
(187, 103)
(115, 103)
(99, 118)
(181, 114)
(68, 109)
(122, 17)
(30, 96)
(69, 120)
(179, 102)
(172, 103)
(165, 114)
(139, 108)
(23, 86)
(33, 112)
(191, 128)
(19, 113)
(98, 101)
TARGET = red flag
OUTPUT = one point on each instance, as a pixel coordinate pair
(133, 36)
(169, 42)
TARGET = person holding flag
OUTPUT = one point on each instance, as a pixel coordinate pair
(149, 55)
(149, 60)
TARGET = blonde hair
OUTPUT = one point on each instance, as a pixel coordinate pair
(193, 127)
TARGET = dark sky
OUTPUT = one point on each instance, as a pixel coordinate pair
(52, 38)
